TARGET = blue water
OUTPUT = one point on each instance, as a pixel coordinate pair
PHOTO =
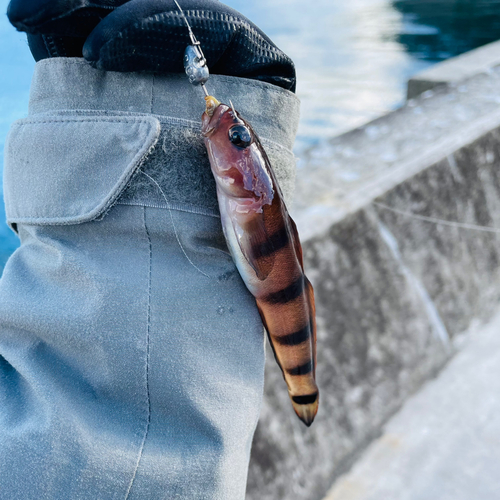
(353, 58)
(16, 68)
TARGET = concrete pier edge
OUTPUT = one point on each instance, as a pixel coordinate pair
(397, 281)
(455, 70)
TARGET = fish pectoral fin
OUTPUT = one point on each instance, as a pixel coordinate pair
(256, 246)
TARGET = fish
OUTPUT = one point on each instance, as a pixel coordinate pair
(264, 243)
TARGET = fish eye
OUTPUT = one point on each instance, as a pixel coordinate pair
(240, 136)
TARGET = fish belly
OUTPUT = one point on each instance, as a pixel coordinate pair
(285, 301)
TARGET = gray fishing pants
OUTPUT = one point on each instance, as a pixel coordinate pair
(131, 353)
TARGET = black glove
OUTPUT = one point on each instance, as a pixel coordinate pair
(151, 35)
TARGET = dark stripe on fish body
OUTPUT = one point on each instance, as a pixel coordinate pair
(272, 244)
(302, 369)
(305, 400)
(295, 338)
(287, 294)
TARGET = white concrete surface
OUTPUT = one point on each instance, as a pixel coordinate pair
(444, 443)
(456, 70)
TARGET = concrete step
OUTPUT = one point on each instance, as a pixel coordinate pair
(444, 443)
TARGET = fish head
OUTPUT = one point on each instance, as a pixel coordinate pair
(225, 128)
(239, 164)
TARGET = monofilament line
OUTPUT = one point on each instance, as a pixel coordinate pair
(443, 222)
(173, 224)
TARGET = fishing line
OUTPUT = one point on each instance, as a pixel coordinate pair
(460, 225)
(173, 224)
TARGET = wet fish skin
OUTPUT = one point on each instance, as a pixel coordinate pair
(265, 246)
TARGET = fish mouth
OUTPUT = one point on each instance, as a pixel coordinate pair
(211, 116)
(212, 103)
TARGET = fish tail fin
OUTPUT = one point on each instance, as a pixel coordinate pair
(306, 407)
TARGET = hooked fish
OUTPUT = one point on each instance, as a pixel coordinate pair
(264, 244)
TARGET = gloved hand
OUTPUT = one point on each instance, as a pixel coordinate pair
(150, 35)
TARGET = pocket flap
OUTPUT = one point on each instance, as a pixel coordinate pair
(69, 170)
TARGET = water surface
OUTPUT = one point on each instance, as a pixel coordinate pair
(353, 58)
(16, 67)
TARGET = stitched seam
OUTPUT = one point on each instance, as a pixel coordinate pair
(109, 115)
(191, 209)
(164, 120)
(147, 359)
(81, 120)
(135, 117)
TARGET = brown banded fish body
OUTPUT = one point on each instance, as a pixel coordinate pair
(265, 246)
